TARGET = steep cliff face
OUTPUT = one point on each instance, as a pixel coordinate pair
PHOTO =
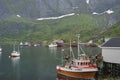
(47, 8)
(91, 14)
(102, 5)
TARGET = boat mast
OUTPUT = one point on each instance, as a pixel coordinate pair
(62, 57)
(14, 46)
(18, 49)
(71, 51)
(78, 35)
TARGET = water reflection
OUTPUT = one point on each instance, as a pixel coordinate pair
(16, 67)
(36, 63)
(0, 55)
(61, 77)
(53, 49)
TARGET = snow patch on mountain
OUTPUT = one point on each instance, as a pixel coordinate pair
(108, 12)
(18, 15)
(87, 1)
(56, 17)
(95, 13)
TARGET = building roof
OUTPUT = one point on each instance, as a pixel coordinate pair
(113, 42)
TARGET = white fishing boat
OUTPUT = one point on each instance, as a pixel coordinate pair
(80, 67)
(15, 53)
(52, 45)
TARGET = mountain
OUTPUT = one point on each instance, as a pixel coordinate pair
(40, 20)
(23, 29)
(35, 9)
(113, 31)
(50, 8)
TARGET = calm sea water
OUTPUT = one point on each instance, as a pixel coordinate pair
(35, 63)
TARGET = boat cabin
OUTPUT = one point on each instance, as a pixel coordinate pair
(83, 62)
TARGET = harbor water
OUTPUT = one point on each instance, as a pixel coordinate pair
(34, 63)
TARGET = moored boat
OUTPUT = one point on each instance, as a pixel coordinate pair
(15, 53)
(60, 43)
(52, 45)
(80, 67)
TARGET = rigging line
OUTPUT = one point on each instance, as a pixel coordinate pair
(82, 50)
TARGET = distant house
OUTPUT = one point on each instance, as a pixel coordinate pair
(111, 50)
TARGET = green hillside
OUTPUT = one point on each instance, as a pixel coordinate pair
(114, 31)
(19, 29)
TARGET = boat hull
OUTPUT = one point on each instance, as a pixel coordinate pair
(85, 75)
(60, 44)
(15, 55)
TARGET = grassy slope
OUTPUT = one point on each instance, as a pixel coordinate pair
(22, 29)
(114, 31)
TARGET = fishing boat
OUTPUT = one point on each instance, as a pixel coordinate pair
(15, 53)
(82, 67)
(52, 45)
(60, 43)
